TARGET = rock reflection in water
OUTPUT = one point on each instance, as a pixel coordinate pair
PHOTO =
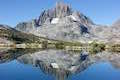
(68, 62)
(12, 54)
(60, 74)
(58, 63)
(115, 62)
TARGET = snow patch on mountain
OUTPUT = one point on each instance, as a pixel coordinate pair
(55, 21)
(73, 17)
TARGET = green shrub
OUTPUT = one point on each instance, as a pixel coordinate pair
(95, 47)
(59, 45)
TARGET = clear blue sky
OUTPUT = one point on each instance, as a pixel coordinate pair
(100, 11)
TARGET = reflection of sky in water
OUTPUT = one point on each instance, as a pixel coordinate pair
(17, 71)
(101, 71)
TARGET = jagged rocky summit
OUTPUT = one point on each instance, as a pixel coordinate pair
(60, 23)
(59, 14)
(63, 23)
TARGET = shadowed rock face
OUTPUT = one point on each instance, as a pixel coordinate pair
(61, 10)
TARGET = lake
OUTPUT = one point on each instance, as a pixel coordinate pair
(35, 65)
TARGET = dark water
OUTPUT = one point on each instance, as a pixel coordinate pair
(12, 68)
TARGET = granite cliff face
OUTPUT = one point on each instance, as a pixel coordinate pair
(60, 11)
(63, 23)
(115, 29)
(25, 26)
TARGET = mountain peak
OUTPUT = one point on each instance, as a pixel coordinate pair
(62, 9)
(59, 11)
(59, 22)
(62, 5)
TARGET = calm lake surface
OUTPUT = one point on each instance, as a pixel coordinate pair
(13, 68)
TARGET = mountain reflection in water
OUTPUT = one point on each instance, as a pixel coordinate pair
(68, 63)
